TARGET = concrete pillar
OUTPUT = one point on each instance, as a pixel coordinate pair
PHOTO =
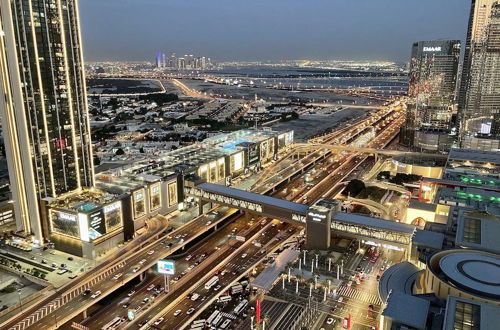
(142, 276)
(84, 314)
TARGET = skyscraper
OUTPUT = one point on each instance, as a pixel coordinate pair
(432, 85)
(479, 103)
(44, 109)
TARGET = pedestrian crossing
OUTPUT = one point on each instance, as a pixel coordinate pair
(359, 295)
(228, 316)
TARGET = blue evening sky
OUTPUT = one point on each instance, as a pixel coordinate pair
(267, 29)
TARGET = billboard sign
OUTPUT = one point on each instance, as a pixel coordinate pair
(166, 267)
(131, 314)
(97, 226)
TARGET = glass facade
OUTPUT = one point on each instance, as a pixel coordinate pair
(479, 100)
(46, 118)
(432, 84)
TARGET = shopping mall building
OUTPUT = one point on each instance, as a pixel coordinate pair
(91, 221)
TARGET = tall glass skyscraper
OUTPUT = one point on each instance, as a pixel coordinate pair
(479, 103)
(432, 86)
(44, 109)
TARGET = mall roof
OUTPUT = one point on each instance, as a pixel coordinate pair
(253, 197)
(407, 309)
(474, 271)
(489, 315)
(474, 155)
(427, 238)
(478, 230)
(398, 278)
(374, 222)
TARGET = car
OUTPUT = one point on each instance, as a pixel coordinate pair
(136, 269)
(378, 277)
(334, 308)
(33, 258)
(190, 267)
(244, 255)
(131, 293)
(138, 308)
(143, 323)
(177, 278)
(151, 287)
(44, 261)
(217, 288)
(340, 299)
(54, 265)
(70, 258)
(209, 223)
(151, 252)
(159, 320)
(234, 230)
(190, 311)
(117, 276)
(142, 261)
(203, 298)
(126, 305)
(145, 300)
(329, 320)
(52, 252)
(177, 312)
(189, 257)
(96, 294)
(87, 292)
(71, 277)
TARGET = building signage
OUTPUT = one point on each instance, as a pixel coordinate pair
(166, 267)
(67, 217)
(110, 208)
(131, 314)
(432, 49)
(97, 226)
(298, 217)
(316, 216)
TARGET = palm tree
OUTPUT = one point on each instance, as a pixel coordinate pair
(298, 278)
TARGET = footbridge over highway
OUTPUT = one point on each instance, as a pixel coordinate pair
(320, 219)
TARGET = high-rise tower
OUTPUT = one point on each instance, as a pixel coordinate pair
(479, 101)
(432, 85)
(44, 105)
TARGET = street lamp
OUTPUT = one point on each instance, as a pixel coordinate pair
(20, 302)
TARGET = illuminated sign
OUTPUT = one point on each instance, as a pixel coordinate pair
(97, 227)
(155, 200)
(66, 216)
(166, 267)
(131, 314)
(316, 216)
(112, 207)
(432, 49)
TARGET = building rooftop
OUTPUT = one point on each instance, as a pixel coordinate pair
(474, 156)
(464, 313)
(84, 200)
(398, 278)
(478, 230)
(398, 308)
(374, 222)
(427, 238)
(479, 273)
(414, 204)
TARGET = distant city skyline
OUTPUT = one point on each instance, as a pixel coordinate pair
(267, 31)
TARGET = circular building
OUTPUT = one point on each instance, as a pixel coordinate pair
(464, 273)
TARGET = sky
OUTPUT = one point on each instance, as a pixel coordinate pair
(260, 30)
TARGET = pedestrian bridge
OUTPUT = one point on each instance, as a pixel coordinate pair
(358, 226)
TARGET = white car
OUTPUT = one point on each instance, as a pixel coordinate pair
(151, 287)
(159, 321)
(244, 255)
(151, 252)
(329, 320)
(117, 276)
(96, 294)
(190, 311)
(142, 261)
(136, 269)
(177, 312)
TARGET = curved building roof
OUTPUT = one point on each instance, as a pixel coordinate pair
(398, 278)
(476, 272)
